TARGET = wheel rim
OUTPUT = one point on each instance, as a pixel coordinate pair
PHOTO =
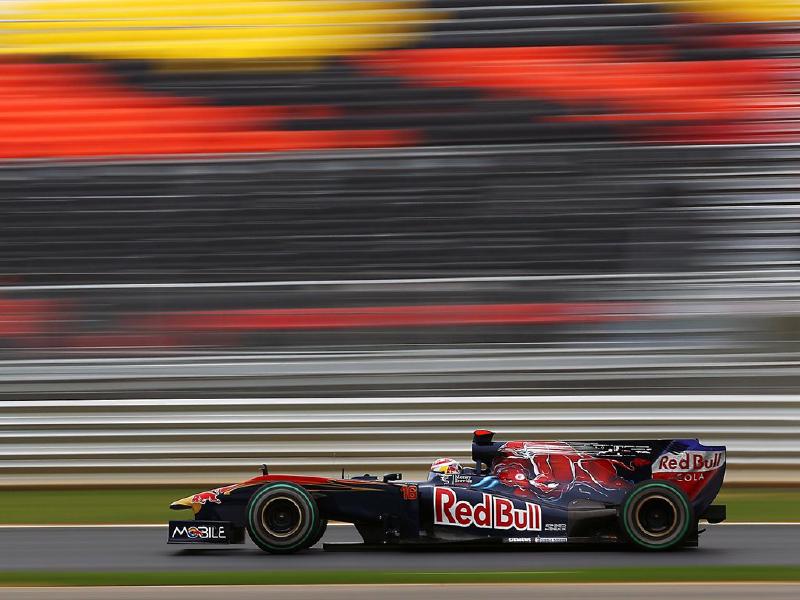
(657, 516)
(281, 517)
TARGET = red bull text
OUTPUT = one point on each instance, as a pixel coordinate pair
(493, 512)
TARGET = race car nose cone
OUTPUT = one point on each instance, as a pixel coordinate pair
(182, 504)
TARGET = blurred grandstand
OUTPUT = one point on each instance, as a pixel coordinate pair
(515, 197)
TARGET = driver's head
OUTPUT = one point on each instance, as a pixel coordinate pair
(445, 466)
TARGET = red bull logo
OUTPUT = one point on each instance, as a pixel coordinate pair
(493, 512)
(213, 496)
(689, 461)
(689, 469)
(210, 496)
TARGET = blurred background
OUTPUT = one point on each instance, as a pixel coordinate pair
(343, 234)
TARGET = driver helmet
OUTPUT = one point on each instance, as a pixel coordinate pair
(445, 466)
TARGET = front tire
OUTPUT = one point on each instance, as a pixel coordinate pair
(656, 515)
(282, 518)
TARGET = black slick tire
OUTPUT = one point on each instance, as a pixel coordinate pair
(656, 515)
(282, 517)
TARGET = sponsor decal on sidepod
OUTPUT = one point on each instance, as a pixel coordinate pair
(493, 512)
(457, 480)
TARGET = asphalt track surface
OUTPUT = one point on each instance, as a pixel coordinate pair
(143, 549)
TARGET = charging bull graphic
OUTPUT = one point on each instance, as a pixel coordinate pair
(209, 496)
(213, 496)
(552, 469)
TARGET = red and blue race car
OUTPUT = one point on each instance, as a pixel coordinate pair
(647, 493)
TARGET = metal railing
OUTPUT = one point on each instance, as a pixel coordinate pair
(215, 440)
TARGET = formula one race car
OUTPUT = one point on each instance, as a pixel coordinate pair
(646, 493)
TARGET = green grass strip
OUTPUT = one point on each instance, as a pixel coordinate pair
(88, 506)
(761, 504)
(610, 575)
(151, 505)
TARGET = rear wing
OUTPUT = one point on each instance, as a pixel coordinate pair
(695, 468)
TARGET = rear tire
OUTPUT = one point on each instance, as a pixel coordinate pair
(656, 515)
(282, 518)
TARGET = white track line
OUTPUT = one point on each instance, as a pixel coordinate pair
(791, 273)
(112, 525)
(331, 524)
(87, 526)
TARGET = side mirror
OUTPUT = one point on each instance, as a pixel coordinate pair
(392, 477)
(264, 469)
